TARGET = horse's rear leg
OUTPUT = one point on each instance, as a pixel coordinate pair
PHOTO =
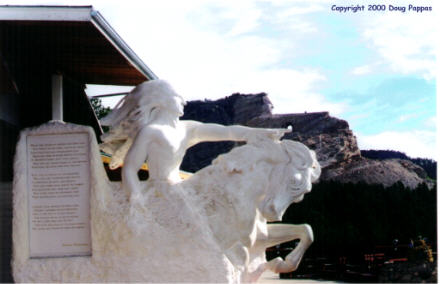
(281, 233)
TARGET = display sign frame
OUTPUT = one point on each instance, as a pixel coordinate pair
(58, 193)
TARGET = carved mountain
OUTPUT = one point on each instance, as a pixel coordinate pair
(235, 109)
(331, 138)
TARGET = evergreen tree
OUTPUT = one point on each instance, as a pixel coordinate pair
(352, 219)
(99, 109)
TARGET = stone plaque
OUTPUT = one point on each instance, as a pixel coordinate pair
(58, 175)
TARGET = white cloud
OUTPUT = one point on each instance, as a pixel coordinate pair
(244, 14)
(362, 70)
(95, 90)
(406, 117)
(405, 41)
(290, 2)
(300, 10)
(289, 90)
(211, 63)
(366, 69)
(293, 16)
(431, 122)
(414, 143)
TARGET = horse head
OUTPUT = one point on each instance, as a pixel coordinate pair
(279, 173)
(289, 179)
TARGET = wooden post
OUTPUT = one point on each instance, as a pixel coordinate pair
(57, 97)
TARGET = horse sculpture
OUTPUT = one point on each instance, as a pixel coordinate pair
(249, 186)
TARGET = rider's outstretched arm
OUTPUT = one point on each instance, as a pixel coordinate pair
(204, 132)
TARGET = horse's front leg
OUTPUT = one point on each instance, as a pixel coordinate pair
(281, 233)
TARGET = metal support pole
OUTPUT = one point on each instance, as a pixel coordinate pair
(57, 97)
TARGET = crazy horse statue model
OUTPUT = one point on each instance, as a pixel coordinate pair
(211, 227)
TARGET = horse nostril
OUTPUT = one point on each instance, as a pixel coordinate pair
(272, 207)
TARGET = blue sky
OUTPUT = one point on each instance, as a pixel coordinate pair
(377, 70)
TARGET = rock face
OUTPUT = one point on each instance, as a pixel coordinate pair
(331, 138)
(235, 109)
(385, 172)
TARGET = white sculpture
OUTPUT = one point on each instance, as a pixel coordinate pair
(262, 175)
(227, 204)
(150, 114)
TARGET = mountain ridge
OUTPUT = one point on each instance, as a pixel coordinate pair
(330, 137)
(429, 165)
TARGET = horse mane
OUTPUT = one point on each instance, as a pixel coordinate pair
(274, 152)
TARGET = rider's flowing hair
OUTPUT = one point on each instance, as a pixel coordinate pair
(130, 114)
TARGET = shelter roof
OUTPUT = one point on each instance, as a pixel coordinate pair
(73, 40)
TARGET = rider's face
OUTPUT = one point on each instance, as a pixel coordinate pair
(177, 105)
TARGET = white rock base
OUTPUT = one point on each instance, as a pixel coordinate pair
(155, 240)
